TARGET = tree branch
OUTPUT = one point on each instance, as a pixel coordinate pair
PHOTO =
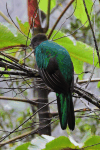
(92, 98)
(32, 101)
(53, 114)
(6, 65)
(16, 138)
(36, 130)
(6, 18)
(11, 47)
(25, 71)
(29, 72)
(19, 73)
(86, 80)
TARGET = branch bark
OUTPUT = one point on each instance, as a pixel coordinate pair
(16, 138)
(32, 101)
(92, 98)
(86, 80)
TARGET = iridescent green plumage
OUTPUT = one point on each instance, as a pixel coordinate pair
(56, 69)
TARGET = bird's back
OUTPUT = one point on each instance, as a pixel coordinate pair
(49, 49)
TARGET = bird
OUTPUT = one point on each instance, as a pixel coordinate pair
(56, 70)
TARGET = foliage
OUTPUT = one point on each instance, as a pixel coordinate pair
(24, 27)
(10, 119)
(87, 126)
(84, 34)
(43, 4)
(8, 39)
(80, 52)
(80, 10)
(59, 143)
(23, 146)
(45, 142)
(95, 141)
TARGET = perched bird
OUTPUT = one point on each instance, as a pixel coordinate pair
(56, 69)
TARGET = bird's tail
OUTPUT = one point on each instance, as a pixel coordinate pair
(66, 110)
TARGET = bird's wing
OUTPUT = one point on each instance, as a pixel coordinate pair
(53, 77)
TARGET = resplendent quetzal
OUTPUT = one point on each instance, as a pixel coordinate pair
(56, 70)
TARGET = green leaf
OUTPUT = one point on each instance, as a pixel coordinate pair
(80, 10)
(24, 27)
(79, 67)
(3, 69)
(98, 85)
(1, 113)
(79, 51)
(59, 143)
(8, 39)
(19, 118)
(92, 141)
(21, 61)
(43, 5)
(93, 129)
(23, 146)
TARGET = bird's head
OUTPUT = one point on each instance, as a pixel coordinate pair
(36, 40)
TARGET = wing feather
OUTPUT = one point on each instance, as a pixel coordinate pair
(53, 77)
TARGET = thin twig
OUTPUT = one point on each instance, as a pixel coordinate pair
(9, 56)
(19, 73)
(92, 110)
(76, 29)
(11, 47)
(69, 4)
(86, 80)
(6, 65)
(24, 122)
(26, 69)
(78, 89)
(34, 131)
(95, 41)
(28, 55)
(65, 21)
(32, 101)
(6, 18)
(15, 24)
(89, 80)
(16, 138)
(90, 97)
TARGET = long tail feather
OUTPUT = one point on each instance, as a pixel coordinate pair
(66, 111)
(71, 116)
